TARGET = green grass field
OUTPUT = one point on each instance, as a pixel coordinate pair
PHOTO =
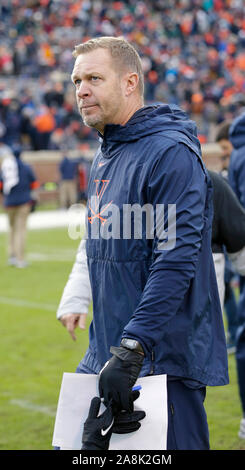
(35, 350)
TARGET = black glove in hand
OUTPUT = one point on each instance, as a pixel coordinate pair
(118, 376)
(125, 422)
(97, 429)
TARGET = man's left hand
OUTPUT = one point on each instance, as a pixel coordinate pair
(97, 428)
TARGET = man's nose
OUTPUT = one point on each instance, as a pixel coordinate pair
(83, 90)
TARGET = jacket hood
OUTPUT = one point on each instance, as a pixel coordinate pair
(150, 120)
(237, 132)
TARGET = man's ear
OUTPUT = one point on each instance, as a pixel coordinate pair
(131, 81)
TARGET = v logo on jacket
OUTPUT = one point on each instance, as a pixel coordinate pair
(95, 200)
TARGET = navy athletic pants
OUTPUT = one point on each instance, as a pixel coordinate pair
(187, 420)
(240, 343)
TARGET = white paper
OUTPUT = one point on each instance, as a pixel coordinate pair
(76, 393)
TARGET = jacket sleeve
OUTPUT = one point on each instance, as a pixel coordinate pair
(237, 176)
(77, 294)
(178, 179)
(231, 218)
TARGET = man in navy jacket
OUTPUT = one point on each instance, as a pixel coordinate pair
(17, 182)
(237, 182)
(156, 306)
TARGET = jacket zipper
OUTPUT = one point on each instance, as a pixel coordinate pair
(152, 363)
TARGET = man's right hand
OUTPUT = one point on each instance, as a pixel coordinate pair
(73, 320)
(118, 376)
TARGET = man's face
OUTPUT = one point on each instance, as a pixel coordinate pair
(98, 89)
(226, 148)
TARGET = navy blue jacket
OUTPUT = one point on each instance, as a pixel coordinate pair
(237, 161)
(237, 182)
(228, 232)
(166, 299)
(21, 193)
(68, 169)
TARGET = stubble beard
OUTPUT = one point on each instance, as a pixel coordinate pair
(95, 121)
(101, 118)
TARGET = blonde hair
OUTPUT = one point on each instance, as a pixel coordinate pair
(123, 54)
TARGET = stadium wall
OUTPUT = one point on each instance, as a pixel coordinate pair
(46, 166)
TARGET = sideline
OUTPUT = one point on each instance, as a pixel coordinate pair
(27, 304)
(48, 219)
(27, 405)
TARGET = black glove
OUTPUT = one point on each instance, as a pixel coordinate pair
(118, 376)
(97, 429)
(125, 422)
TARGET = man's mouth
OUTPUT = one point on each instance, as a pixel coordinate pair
(87, 106)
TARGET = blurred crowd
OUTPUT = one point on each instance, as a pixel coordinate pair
(193, 54)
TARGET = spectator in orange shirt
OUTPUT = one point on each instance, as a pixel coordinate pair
(44, 124)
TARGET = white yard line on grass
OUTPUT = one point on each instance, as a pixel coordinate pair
(75, 216)
(51, 257)
(27, 304)
(27, 405)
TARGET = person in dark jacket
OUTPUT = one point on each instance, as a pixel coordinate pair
(222, 138)
(229, 217)
(68, 183)
(230, 300)
(228, 233)
(17, 183)
(156, 307)
(237, 182)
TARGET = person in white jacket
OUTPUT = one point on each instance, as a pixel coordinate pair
(77, 295)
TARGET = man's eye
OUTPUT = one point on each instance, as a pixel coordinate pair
(77, 82)
(94, 78)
